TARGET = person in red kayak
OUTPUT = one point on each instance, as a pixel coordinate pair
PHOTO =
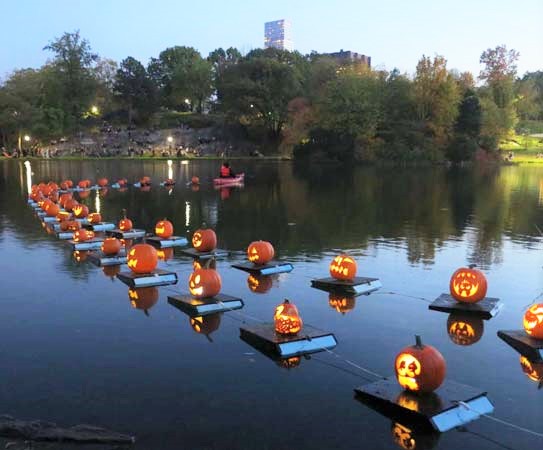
(226, 171)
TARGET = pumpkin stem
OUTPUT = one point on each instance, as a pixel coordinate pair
(418, 341)
(286, 301)
(208, 263)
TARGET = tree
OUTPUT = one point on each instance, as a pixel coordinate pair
(104, 72)
(134, 88)
(74, 81)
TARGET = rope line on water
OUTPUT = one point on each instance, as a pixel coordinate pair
(424, 299)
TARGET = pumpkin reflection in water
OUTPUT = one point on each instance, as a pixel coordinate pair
(142, 258)
(165, 254)
(206, 324)
(287, 320)
(343, 267)
(111, 271)
(80, 255)
(533, 321)
(259, 284)
(534, 371)
(289, 363)
(464, 330)
(412, 439)
(420, 368)
(143, 298)
(341, 303)
(468, 285)
(426, 401)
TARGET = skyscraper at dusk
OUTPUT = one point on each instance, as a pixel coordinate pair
(278, 34)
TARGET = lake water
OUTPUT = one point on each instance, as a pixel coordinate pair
(74, 349)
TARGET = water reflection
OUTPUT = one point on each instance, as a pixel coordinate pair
(464, 329)
(533, 370)
(143, 298)
(410, 438)
(341, 303)
(206, 324)
(260, 284)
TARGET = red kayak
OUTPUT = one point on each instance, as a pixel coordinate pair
(238, 179)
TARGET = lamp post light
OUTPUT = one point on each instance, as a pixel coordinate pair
(94, 110)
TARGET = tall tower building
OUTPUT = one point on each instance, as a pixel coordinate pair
(278, 34)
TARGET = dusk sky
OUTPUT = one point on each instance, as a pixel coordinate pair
(395, 33)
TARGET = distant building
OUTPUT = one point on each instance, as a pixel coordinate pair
(346, 56)
(278, 34)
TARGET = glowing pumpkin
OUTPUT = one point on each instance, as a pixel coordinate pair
(164, 229)
(53, 210)
(83, 235)
(204, 240)
(420, 368)
(259, 284)
(204, 283)
(102, 182)
(70, 225)
(142, 258)
(413, 439)
(468, 285)
(464, 330)
(125, 224)
(206, 324)
(111, 246)
(70, 203)
(195, 180)
(143, 298)
(94, 218)
(533, 321)
(62, 216)
(343, 267)
(165, 254)
(286, 319)
(64, 198)
(64, 185)
(341, 303)
(289, 363)
(80, 211)
(534, 371)
(84, 184)
(260, 252)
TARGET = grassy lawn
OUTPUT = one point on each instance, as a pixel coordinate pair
(524, 148)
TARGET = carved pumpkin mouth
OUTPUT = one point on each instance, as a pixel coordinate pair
(408, 383)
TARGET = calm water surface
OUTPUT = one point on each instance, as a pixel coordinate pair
(75, 350)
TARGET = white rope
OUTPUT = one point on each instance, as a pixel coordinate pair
(503, 422)
(363, 369)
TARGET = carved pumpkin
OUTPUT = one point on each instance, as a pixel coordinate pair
(125, 224)
(164, 229)
(341, 303)
(206, 324)
(62, 216)
(204, 240)
(64, 185)
(413, 439)
(111, 246)
(53, 210)
(286, 319)
(142, 258)
(165, 254)
(70, 225)
(420, 368)
(205, 283)
(259, 284)
(289, 363)
(80, 211)
(64, 198)
(84, 184)
(84, 194)
(195, 180)
(260, 252)
(45, 204)
(94, 218)
(468, 285)
(533, 321)
(102, 182)
(143, 298)
(464, 329)
(70, 204)
(343, 267)
(83, 235)
(111, 271)
(80, 255)
(534, 371)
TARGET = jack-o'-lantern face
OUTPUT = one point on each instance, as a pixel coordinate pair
(260, 252)
(289, 363)
(408, 368)
(259, 284)
(63, 216)
(142, 258)
(83, 235)
(468, 285)
(164, 229)
(464, 330)
(204, 240)
(341, 303)
(413, 439)
(286, 319)
(125, 224)
(80, 211)
(534, 371)
(533, 321)
(204, 283)
(343, 267)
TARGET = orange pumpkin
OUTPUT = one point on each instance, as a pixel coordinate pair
(464, 329)
(102, 182)
(53, 210)
(70, 203)
(420, 368)
(64, 185)
(164, 229)
(62, 216)
(84, 184)
(195, 180)
(142, 258)
(70, 225)
(204, 240)
(286, 319)
(533, 370)
(95, 218)
(53, 196)
(80, 211)
(64, 198)
(143, 298)
(533, 321)
(45, 204)
(111, 246)
(83, 235)
(204, 283)
(260, 252)
(125, 224)
(343, 267)
(259, 284)
(468, 285)
(341, 303)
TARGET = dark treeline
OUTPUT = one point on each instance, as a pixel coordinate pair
(310, 106)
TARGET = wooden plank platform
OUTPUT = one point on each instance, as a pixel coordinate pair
(356, 286)
(485, 309)
(264, 269)
(205, 306)
(193, 253)
(132, 234)
(158, 277)
(526, 345)
(99, 259)
(174, 241)
(92, 244)
(102, 226)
